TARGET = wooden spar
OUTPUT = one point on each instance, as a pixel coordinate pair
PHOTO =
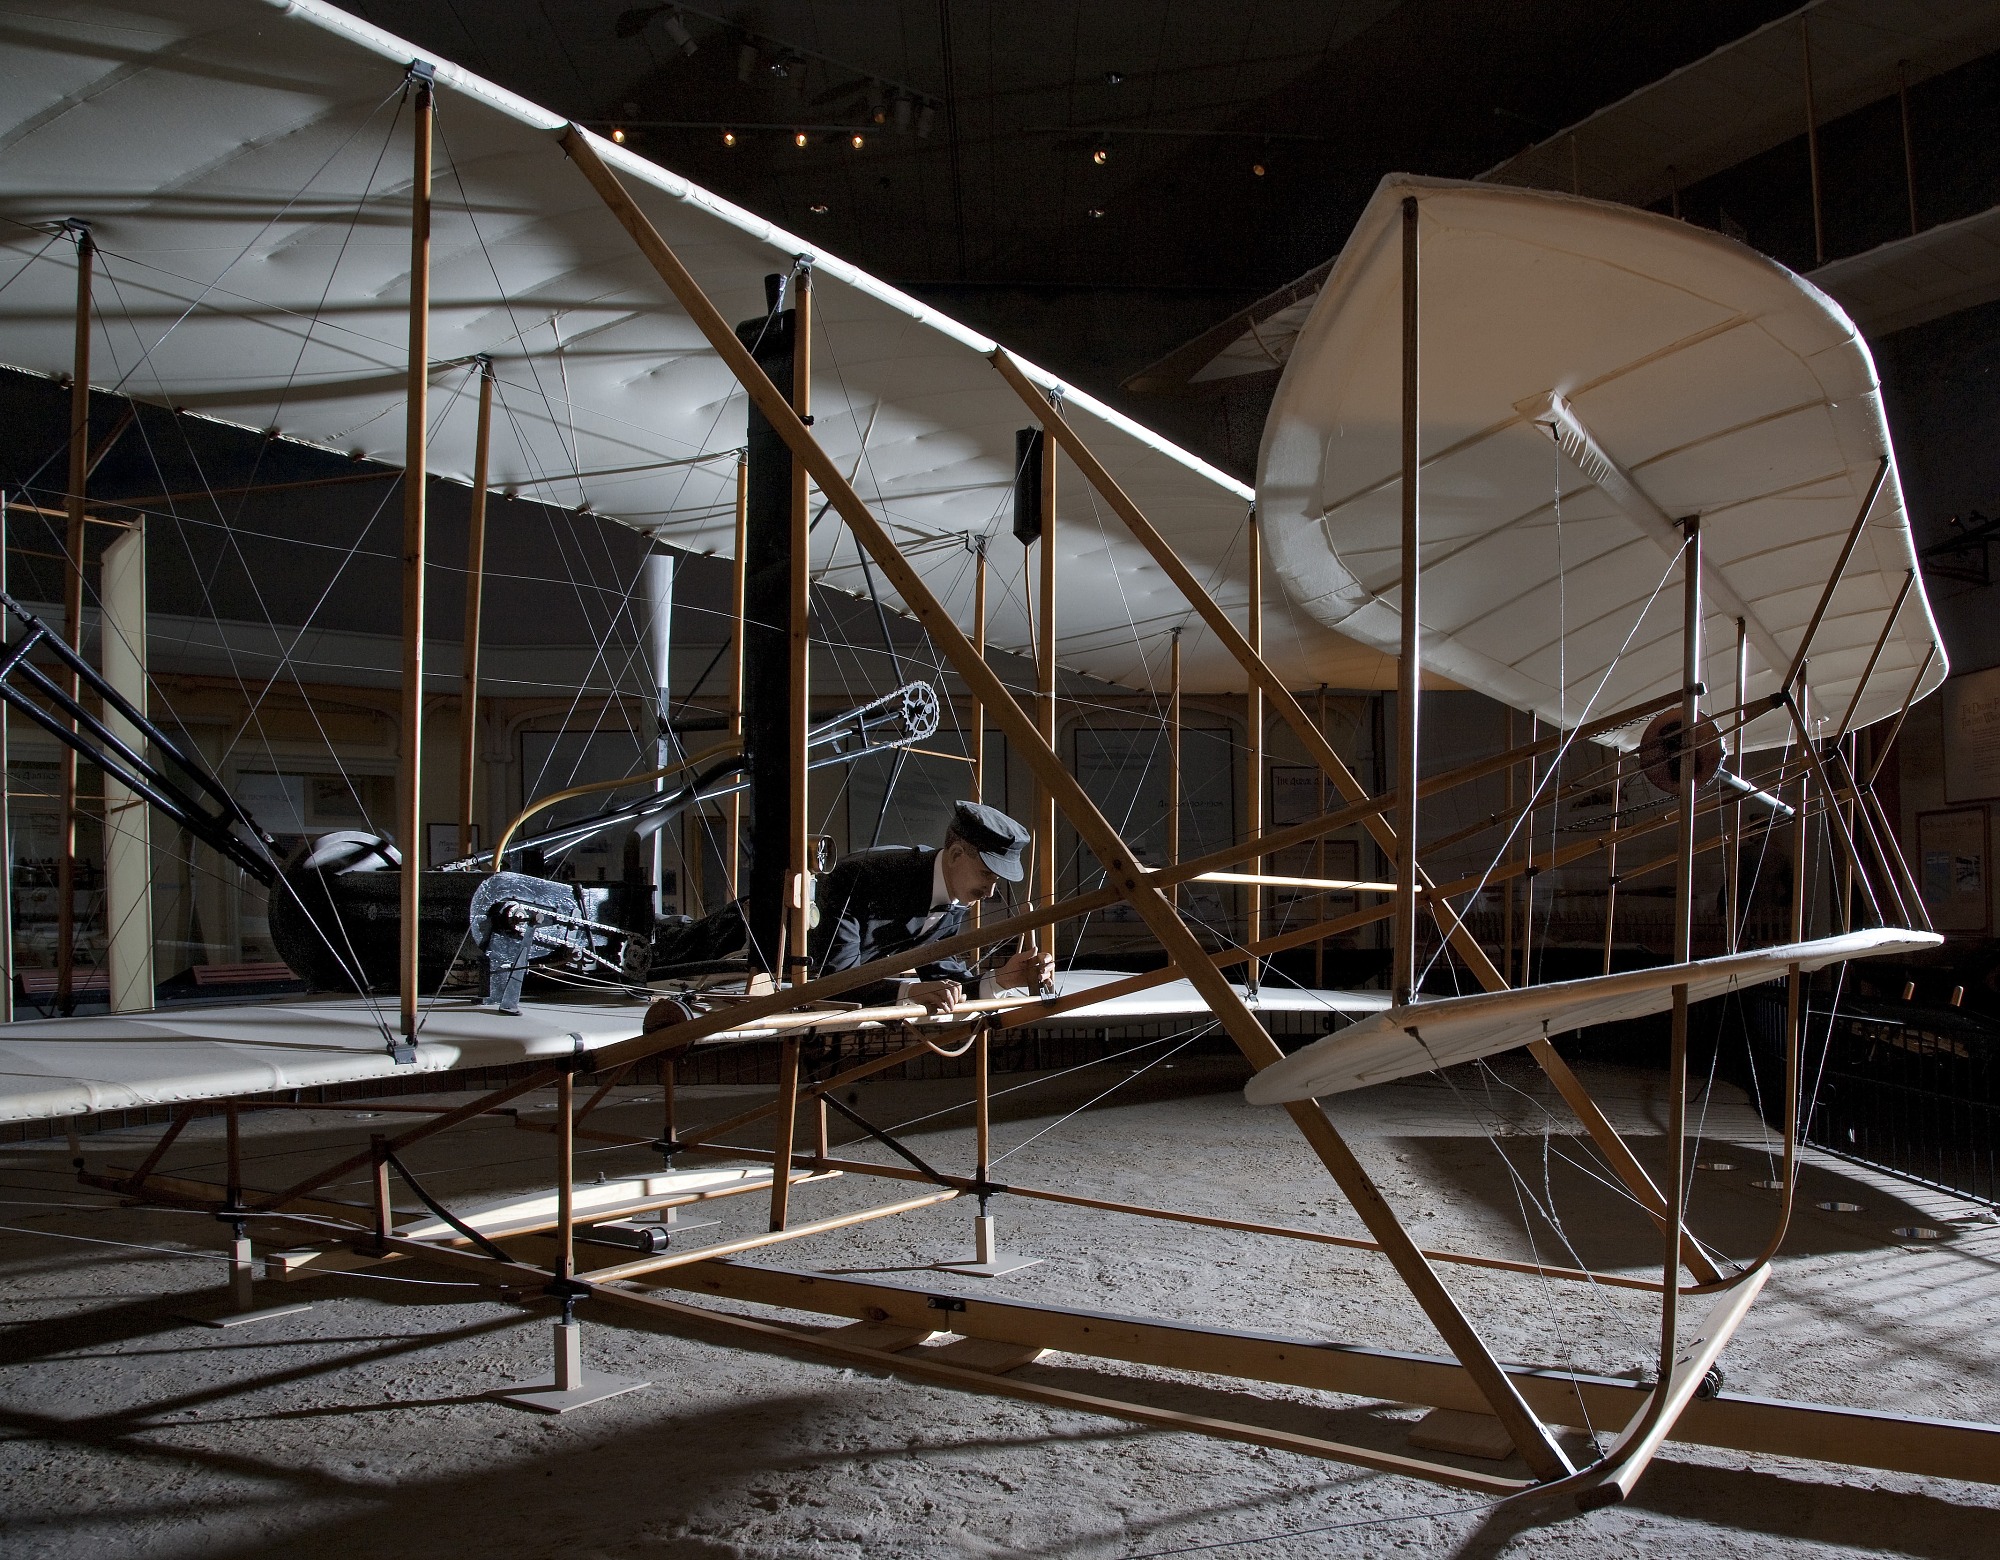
(1409, 665)
(1732, 863)
(783, 1132)
(1529, 871)
(565, 1176)
(1834, 814)
(1868, 671)
(1812, 142)
(1174, 753)
(1507, 892)
(79, 478)
(1896, 726)
(732, 831)
(1253, 733)
(475, 593)
(982, 1110)
(1045, 682)
(976, 719)
(1122, 871)
(410, 777)
(1611, 857)
(798, 704)
(1319, 845)
(1833, 579)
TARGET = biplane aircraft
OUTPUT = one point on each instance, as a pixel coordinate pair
(1613, 471)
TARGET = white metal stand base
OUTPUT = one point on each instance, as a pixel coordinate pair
(987, 1261)
(241, 1308)
(572, 1386)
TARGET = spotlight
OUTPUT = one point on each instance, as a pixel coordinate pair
(857, 142)
(746, 61)
(618, 136)
(729, 138)
(781, 69)
(1114, 78)
(1101, 156)
(799, 139)
(818, 208)
(879, 116)
(677, 30)
(926, 117)
(1096, 211)
(1258, 169)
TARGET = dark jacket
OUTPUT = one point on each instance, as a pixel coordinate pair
(874, 904)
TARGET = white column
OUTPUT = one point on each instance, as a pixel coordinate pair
(128, 838)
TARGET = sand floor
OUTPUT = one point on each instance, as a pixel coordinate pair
(367, 1427)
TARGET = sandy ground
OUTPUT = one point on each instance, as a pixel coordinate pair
(366, 1426)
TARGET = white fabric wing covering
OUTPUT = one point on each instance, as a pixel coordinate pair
(1719, 383)
(1448, 1030)
(246, 175)
(79, 1066)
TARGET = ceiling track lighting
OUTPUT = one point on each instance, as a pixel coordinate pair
(729, 138)
(799, 138)
(856, 140)
(1101, 156)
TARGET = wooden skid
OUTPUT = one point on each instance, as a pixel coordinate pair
(1864, 1438)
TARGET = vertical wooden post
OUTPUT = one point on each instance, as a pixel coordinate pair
(982, 1109)
(410, 829)
(1409, 668)
(1732, 863)
(1253, 721)
(1812, 141)
(669, 1077)
(79, 476)
(783, 1132)
(1528, 876)
(1510, 891)
(1909, 150)
(1684, 831)
(475, 593)
(1611, 856)
(232, 1156)
(385, 1215)
(798, 924)
(1174, 758)
(1319, 848)
(976, 717)
(566, 1175)
(732, 828)
(1045, 707)
(128, 832)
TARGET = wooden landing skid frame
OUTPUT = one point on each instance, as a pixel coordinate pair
(1526, 1401)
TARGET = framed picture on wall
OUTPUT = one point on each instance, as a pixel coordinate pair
(1953, 849)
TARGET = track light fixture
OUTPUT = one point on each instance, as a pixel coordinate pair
(856, 142)
(1258, 169)
(618, 136)
(677, 30)
(799, 138)
(729, 138)
(1101, 156)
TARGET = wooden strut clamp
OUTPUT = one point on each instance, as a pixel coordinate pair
(1122, 871)
(475, 593)
(79, 478)
(410, 776)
